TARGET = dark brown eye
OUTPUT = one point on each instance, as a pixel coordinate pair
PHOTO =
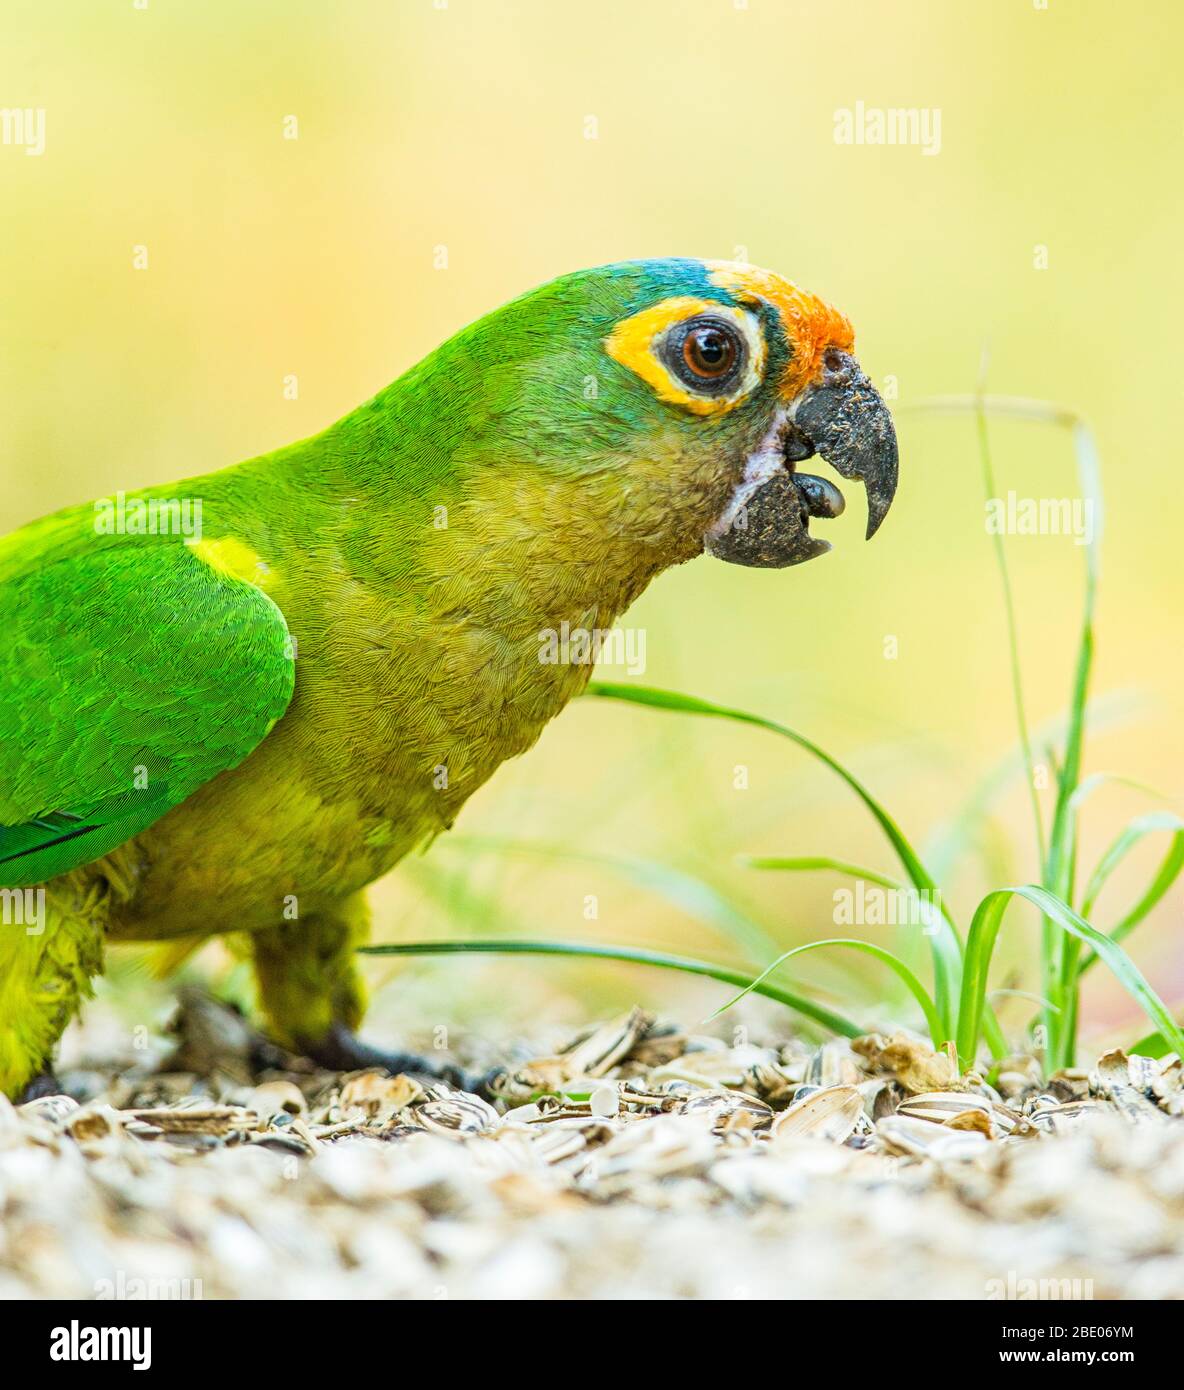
(707, 354)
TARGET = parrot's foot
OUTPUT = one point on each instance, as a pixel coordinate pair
(43, 1084)
(342, 1050)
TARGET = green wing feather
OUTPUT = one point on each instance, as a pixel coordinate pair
(131, 672)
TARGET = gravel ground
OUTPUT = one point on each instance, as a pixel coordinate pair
(636, 1163)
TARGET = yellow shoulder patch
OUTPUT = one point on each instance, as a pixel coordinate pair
(235, 558)
(634, 343)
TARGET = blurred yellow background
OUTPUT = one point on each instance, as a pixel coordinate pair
(423, 125)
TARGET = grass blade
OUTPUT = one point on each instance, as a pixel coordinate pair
(910, 981)
(1122, 846)
(1013, 642)
(980, 944)
(952, 838)
(1057, 869)
(807, 863)
(1153, 1045)
(688, 704)
(1061, 963)
(633, 955)
(1097, 780)
(918, 875)
(1077, 800)
(945, 947)
(1071, 964)
(1167, 873)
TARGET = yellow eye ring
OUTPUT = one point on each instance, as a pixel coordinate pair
(650, 344)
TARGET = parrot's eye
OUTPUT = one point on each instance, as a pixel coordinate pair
(706, 353)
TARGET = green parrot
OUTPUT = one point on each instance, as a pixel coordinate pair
(229, 704)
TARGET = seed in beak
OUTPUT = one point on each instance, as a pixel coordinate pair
(820, 498)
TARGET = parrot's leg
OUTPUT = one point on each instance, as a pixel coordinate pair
(313, 996)
(51, 945)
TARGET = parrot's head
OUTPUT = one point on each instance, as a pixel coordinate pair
(678, 398)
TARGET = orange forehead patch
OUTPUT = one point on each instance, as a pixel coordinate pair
(811, 324)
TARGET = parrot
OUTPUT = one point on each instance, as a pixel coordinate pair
(229, 704)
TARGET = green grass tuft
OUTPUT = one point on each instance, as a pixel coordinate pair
(959, 1009)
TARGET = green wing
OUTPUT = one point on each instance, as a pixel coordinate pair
(130, 673)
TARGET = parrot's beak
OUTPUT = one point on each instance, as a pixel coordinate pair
(842, 418)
